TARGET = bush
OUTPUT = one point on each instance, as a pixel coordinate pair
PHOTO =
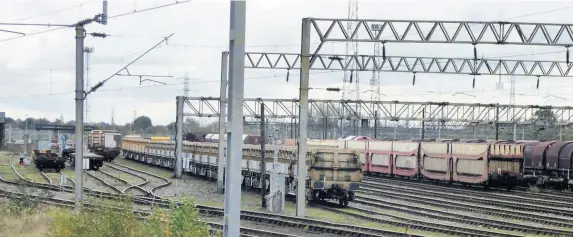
(118, 219)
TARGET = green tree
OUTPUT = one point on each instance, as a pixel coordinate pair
(142, 123)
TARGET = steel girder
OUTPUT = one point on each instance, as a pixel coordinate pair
(412, 64)
(461, 32)
(386, 110)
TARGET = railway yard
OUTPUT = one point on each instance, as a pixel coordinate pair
(382, 207)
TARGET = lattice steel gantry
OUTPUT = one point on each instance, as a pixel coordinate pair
(440, 65)
(515, 33)
(390, 110)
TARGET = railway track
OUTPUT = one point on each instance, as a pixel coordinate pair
(432, 226)
(118, 184)
(156, 181)
(215, 227)
(304, 224)
(454, 217)
(466, 207)
(132, 186)
(486, 200)
(453, 228)
(521, 192)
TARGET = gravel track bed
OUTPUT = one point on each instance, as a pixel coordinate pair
(269, 227)
(109, 180)
(454, 205)
(132, 179)
(152, 183)
(523, 205)
(519, 192)
(204, 192)
(94, 184)
(555, 213)
(419, 207)
(55, 177)
(385, 214)
(129, 180)
(497, 195)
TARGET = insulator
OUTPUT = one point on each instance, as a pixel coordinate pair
(288, 75)
(567, 55)
(474, 82)
(475, 53)
(384, 51)
(537, 82)
(351, 76)
(414, 79)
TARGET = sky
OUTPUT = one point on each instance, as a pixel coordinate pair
(38, 74)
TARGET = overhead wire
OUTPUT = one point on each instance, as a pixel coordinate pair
(54, 11)
(250, 78)
(109, 17)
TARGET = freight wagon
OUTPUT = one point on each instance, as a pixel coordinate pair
(548, 164)
(333, 173)
(469, 162)
(105, 143)
(247, 139)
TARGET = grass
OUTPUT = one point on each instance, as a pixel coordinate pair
(33, 225)
(29, 172)
(27, 217)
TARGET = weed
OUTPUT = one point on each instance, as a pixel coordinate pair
(117, 219)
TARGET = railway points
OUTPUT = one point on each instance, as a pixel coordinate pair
(345, 182)
(483, 215)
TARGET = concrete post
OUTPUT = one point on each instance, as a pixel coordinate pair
(222, 125)
(303, 118)
(179, 137)
(79, 141)
(232, 219)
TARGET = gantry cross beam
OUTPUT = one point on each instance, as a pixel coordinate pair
(387, 110)
(439, 65)
(459, 32)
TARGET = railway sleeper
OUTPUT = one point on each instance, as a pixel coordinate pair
(448, 216)
(477, 209)
(486, 201)
(414, 225)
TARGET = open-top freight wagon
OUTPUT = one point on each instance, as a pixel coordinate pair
(333, 173)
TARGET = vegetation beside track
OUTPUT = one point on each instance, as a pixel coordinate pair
(29, 217)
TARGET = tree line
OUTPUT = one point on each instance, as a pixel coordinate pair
(140, 125)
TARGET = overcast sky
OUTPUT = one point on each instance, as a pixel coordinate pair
(37, 72)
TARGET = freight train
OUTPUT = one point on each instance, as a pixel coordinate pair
(469, 162)
(548, 163)
(333, 173)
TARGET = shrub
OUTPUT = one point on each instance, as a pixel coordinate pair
(117, 219)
